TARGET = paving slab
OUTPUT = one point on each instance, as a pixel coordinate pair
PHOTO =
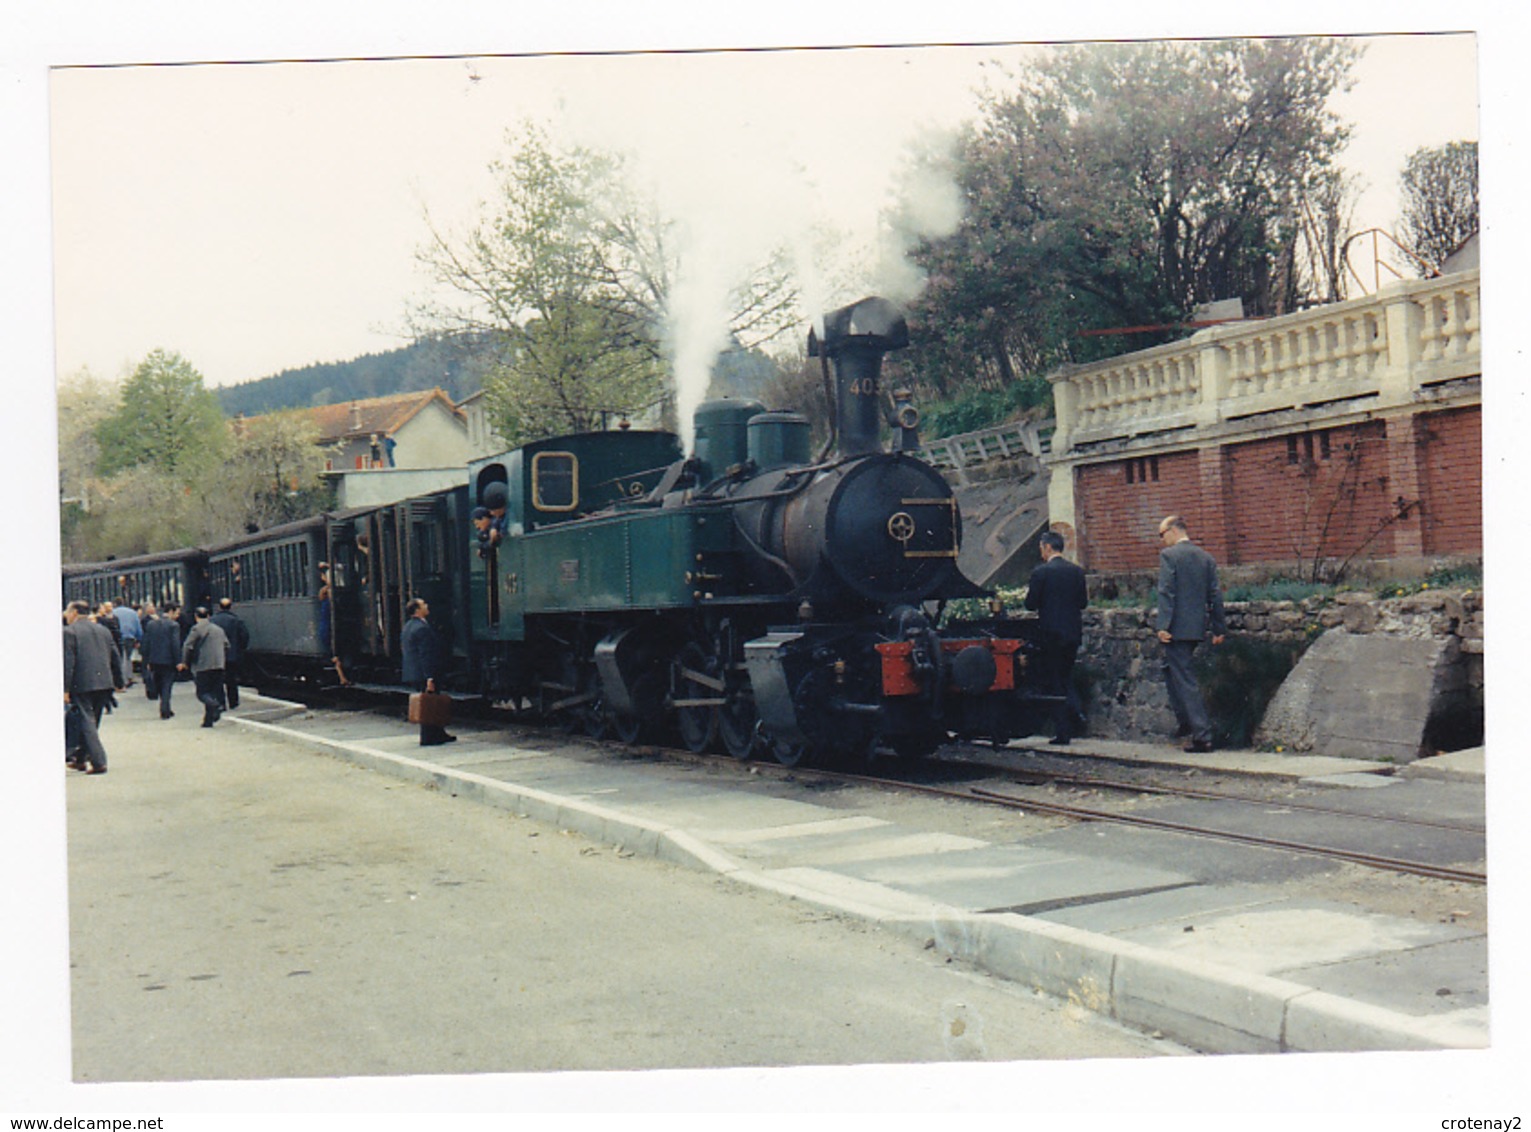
(1443, 978)
(1175, 906)
(1009, 878)
(1290, 936)
(837, 842)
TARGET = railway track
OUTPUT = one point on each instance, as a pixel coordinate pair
(1000, 779)
(1031, 803)
(1092, 814)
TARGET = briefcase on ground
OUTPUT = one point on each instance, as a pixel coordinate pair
(430, 709)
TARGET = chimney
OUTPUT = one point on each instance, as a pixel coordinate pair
(355, 416)
(855, 339)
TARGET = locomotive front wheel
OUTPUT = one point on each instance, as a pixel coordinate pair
(793, 754)
(738, 723)
(647, 693)
(597, 722)
(916, 746)
(698, 725)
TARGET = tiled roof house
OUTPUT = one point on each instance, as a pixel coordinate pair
(405, 430)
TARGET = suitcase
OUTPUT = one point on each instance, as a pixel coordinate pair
(430, 709)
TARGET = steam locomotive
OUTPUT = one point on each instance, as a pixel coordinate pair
(748, 596)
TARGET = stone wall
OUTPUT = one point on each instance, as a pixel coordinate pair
(1120, 662)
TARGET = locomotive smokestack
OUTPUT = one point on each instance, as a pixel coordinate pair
(855, 339)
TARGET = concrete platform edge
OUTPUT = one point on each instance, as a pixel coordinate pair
(1210, 1008)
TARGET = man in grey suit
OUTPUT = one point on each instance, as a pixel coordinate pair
(92, 670)
(1190, 604)
(203, 652)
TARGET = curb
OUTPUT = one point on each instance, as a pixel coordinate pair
(1208, 1007)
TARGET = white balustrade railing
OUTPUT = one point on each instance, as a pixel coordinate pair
(1386, 346)
(1006, 441)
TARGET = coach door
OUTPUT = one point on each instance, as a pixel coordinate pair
(348, 590)
(426, 560)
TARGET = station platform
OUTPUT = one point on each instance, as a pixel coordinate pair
(1232, 967)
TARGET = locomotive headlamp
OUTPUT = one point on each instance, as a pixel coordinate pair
(905, 418)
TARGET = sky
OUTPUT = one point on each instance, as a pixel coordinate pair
(255, 218)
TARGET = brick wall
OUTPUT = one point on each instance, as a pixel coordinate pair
(1330, 493)
(1452, 481)
(1121, 504)
(1317, 493)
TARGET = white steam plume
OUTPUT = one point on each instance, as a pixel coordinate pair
(739, 184)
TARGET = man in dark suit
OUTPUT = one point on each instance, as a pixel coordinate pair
(238, 633)
(1190, 605)
(1058, 593)
(422, 663)
(92, 671)
(162, 652)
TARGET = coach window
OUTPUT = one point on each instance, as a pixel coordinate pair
(426, 553)
(555, 481)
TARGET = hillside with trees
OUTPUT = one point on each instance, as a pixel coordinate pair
(453, 364)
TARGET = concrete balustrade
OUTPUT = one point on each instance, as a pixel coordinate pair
(1385, 348)
(1009, 441)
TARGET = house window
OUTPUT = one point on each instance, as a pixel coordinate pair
(1145, 469)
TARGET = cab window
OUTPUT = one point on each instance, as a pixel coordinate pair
(555, 481)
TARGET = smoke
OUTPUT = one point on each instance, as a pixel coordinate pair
(926, 204)
(756, 167)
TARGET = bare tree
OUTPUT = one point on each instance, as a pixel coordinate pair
(1439, 189)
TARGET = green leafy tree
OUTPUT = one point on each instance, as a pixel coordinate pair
(530, 286)
(167, 420)
(1439, 190)
(274, 476)
(84, 401)
(141, 510)
(570, 288)
(1119, 185)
